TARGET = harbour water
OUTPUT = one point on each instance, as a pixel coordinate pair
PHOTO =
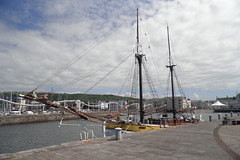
(19, 137)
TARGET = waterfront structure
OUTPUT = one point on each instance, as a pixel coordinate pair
(232, 103)
(218, 105)
(21, 101)
(116, 105)
(111, 105)
(199, 104)
(104, 105)
(180, 102)
(238, 97)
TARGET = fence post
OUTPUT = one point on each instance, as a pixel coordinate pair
(231, 114)
(210, 117)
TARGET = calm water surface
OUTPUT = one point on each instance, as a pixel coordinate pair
(19, 137)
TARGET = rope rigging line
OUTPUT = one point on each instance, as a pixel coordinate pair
(149, 81)
(134, 80)
(153, 59)
(179, 84)
(128, 76)
(182, 80)
(168, 84)
(181, 90)
(97, 69)
(108, 73)
(132, 69)
(79, 124)
(82, 54)
(163, 24)
(177, 74)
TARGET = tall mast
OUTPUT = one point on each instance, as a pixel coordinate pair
(137, 33)
(139, 58)
(171, 70)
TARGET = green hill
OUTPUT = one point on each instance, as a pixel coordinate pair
(64, 96)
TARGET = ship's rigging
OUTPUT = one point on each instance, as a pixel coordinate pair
(134, 85)
(140, 71)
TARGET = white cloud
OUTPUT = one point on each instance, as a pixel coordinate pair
(204, 39)
(196, 96)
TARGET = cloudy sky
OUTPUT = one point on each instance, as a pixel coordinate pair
(90, 45)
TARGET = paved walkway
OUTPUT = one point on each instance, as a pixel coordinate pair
(186, 142)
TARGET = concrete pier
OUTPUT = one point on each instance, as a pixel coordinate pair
(205, 140)
(19, 119)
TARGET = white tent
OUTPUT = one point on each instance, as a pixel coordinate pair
(218, 104)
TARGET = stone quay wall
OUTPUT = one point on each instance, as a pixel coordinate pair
(18, 119)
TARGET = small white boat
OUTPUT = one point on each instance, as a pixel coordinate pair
(14, 113)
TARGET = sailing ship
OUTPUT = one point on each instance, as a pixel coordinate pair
(141, 125)
(128, 125)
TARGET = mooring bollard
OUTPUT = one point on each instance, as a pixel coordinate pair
(219, 116)
(118, 132)
(231, 114)
(210, 117)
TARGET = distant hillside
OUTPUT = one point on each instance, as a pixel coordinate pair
(64, 96)
(86, 97)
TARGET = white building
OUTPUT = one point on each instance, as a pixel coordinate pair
(104, 105)
(22, 103)
(180, 103)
